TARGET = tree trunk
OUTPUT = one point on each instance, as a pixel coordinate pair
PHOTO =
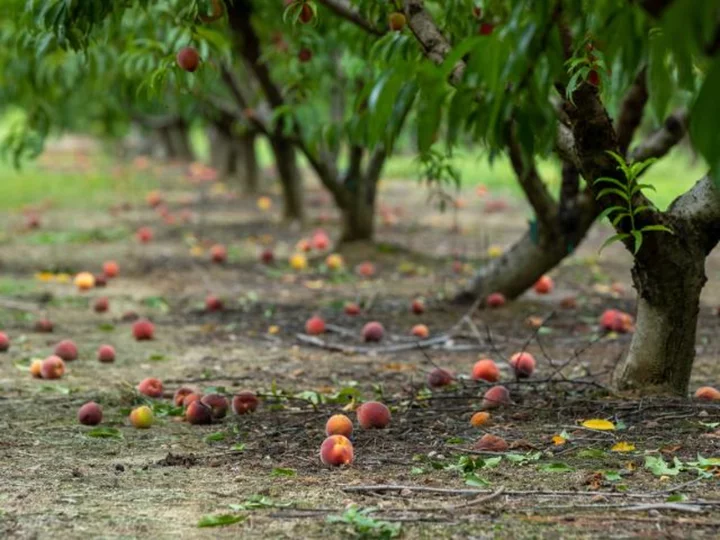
(358, 222)
(248, 163)
(179, 135)
(290, 178)
(223, 155)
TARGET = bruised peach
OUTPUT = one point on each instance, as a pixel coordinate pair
(188, 59)
(339, 424)
(439, 377)
(523, 363)
(366, 269)
(373, 331)
(44, 325)
(144, 235)
(36, 368)
(373, 415)
(198, 413)
(213, 303)
(420, 331)
(67, 350)
(180, 395)
(191, 398)
(143, 330)
(315, 326)
(142, 417)
(111, 269)
(106, 354)
(52, 367)
(336, 450)
(244, 402)
(495, 300)
(491, 443)
(485, 370)
(544, 285)
(151, 387)
(218, 405)
(101, 305)
(615, 320)
(480, 419)
(707, 393)
(495, 396)
(90, 414)
(351, 308)
(417, 306)
(84, 281)
(4, 342)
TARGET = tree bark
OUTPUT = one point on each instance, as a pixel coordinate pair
(358, 222)
(223, 154)
(290, 179)
(179, 134)
(249, 164)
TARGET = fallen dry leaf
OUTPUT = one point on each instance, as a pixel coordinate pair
(598, 424)
(623, 446)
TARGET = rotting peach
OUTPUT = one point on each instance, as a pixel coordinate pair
(480, 419)
(106, 354)
(218, 254)
(315, 325)
(373, 415)
(198, 413)
(36, 368)
(191, 398)
(366, 269)
(142, 417)
(244, 402)
(111, 269)
(523, 363)
(339, 424)
(420, 331)
(144, 235)
(213, 303)
(143, 330)
(495, 300)
(491, 443)
(52, 367)
(417, 306)
(336, 450)
(67, 350)
(544, 285)
(439, 377)
(90, 414)
(180, 395)
(373, 331)
(44, 325)
(101, 305)
(4, 342)
(485, 370)
(84, 281)
(707, 393)
(151, 387)
(351, 308)
(495, 397)
(188, 59)
(218, 405)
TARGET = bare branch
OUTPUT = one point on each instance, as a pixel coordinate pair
(664, 139)
(347, 11)
(631, 111)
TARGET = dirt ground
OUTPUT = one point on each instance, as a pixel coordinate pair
(421, 478)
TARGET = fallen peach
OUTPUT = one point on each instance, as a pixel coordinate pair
(218, 253)
(366, 269)
(439, 377)
(151, 387)
(298, 262)
(569, 302)
(267, 256)
(480, 419)
(339, 424)
(336, 450)
(218, 405)
(4, 342)
(315, 326)
(373, 415)
(544, 285)
(495, 396)
(106, 354)
(351, 308)
(141, 417)
(43, 325)
(100, 280)
(420, 331)
(495, 300)
(180, 395)
(143, 330)
(101, 305)
(90, 414)
(67, 350)
(52, 367)
(191, 398)
(144, 235)
(213, 303)
(616, 321)
(373, 331)
(154, 198)
(303, 245)
(417, 306)
(244, 402)
(523, 363)
(84, 281)
(111, 269)
(198, 413)
(320, 240)
(334, 262)
(707, 393)
(485, 370)
(36, 368)
(491, 443)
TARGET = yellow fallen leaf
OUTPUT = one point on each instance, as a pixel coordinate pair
(494, 251)
(274, 329)
(63, 278)
(558, 440)
(623, 446)
(599, 424)
(630, 466)
(45, 276)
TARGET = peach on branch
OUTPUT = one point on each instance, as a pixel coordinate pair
(396, 21)
(188, 59)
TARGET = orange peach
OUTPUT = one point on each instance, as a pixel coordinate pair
(52, 367)
(143, 330)
(218, 405)
(339, 424)
(106, 354)
(213, 303)
(180, 395)
(111, 269)
(43, 325)
(485, 370)
(439, 377)
(616, 321)
(244, 402)
(544, 285)
(67, 350)
(144, 235)
(84, 281)
(351, 308)
(495, 300)
(417, 306)
(101, 305)
(480, 419)
(373, 331)
(218, 253)
(523, 363)
(336, 450)
(90, 414)
(373, 415)
(707, 393)
(4, 342)
(315, 326)
(36, 368)
(198, 413)
(151, 387)
(495, 396)
(420, 331)
(303, 245)
(142, 417)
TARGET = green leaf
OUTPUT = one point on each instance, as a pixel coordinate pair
(643, 208)
(616, 191)
(705, 112)
(659, 467)
(556, 467)
(622, 185)
(662, 228)
(105, 433)
(279, 471)
(640, 187)
(239, 447)
(217, 436)
(221, 520)
(677, 497)
(615, 238)
(618, 218)
(636, 169)
(472, 479)
(622, 164)
(660, 80)
(592, 453)
(638, 241)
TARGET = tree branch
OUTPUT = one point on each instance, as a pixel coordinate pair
(234, 87)
(631, 111)
(345, 10)
(375, 164)
(664, 139)
(700, 207)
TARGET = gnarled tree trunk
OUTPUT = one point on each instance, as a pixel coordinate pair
(290, 179)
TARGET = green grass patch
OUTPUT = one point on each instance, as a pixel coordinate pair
(89, 236)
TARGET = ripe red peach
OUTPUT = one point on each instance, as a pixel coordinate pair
(373, 415)
(218, 253)
(707, 393)
(320, 240)
(495, 396)
(180, 395)
(315, 326)
(373, 331)
(486, 29)
(53, 367)
(151, 387)
(4, 342)
(495, 300)
(143, 330)
(417, 306)
(351, 308)
(306, 14)
(544, 285)
(106, 354)
(191, 398)
(36, 368)
(90, 414)
(218, 405)
(101, 305)
(111, 269)
(616, 321)
(141, 417)
(366, 269)
(420, 331)
(336, 450)
(523, 363)
(67, 350)
(339, 424)
(480, 419)
(244, 402)
(213, 303)
(144, 235)
(485, 370)
(439, 377)
(84, 281)
(188, 59)
(198, 413)
(44, 325)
